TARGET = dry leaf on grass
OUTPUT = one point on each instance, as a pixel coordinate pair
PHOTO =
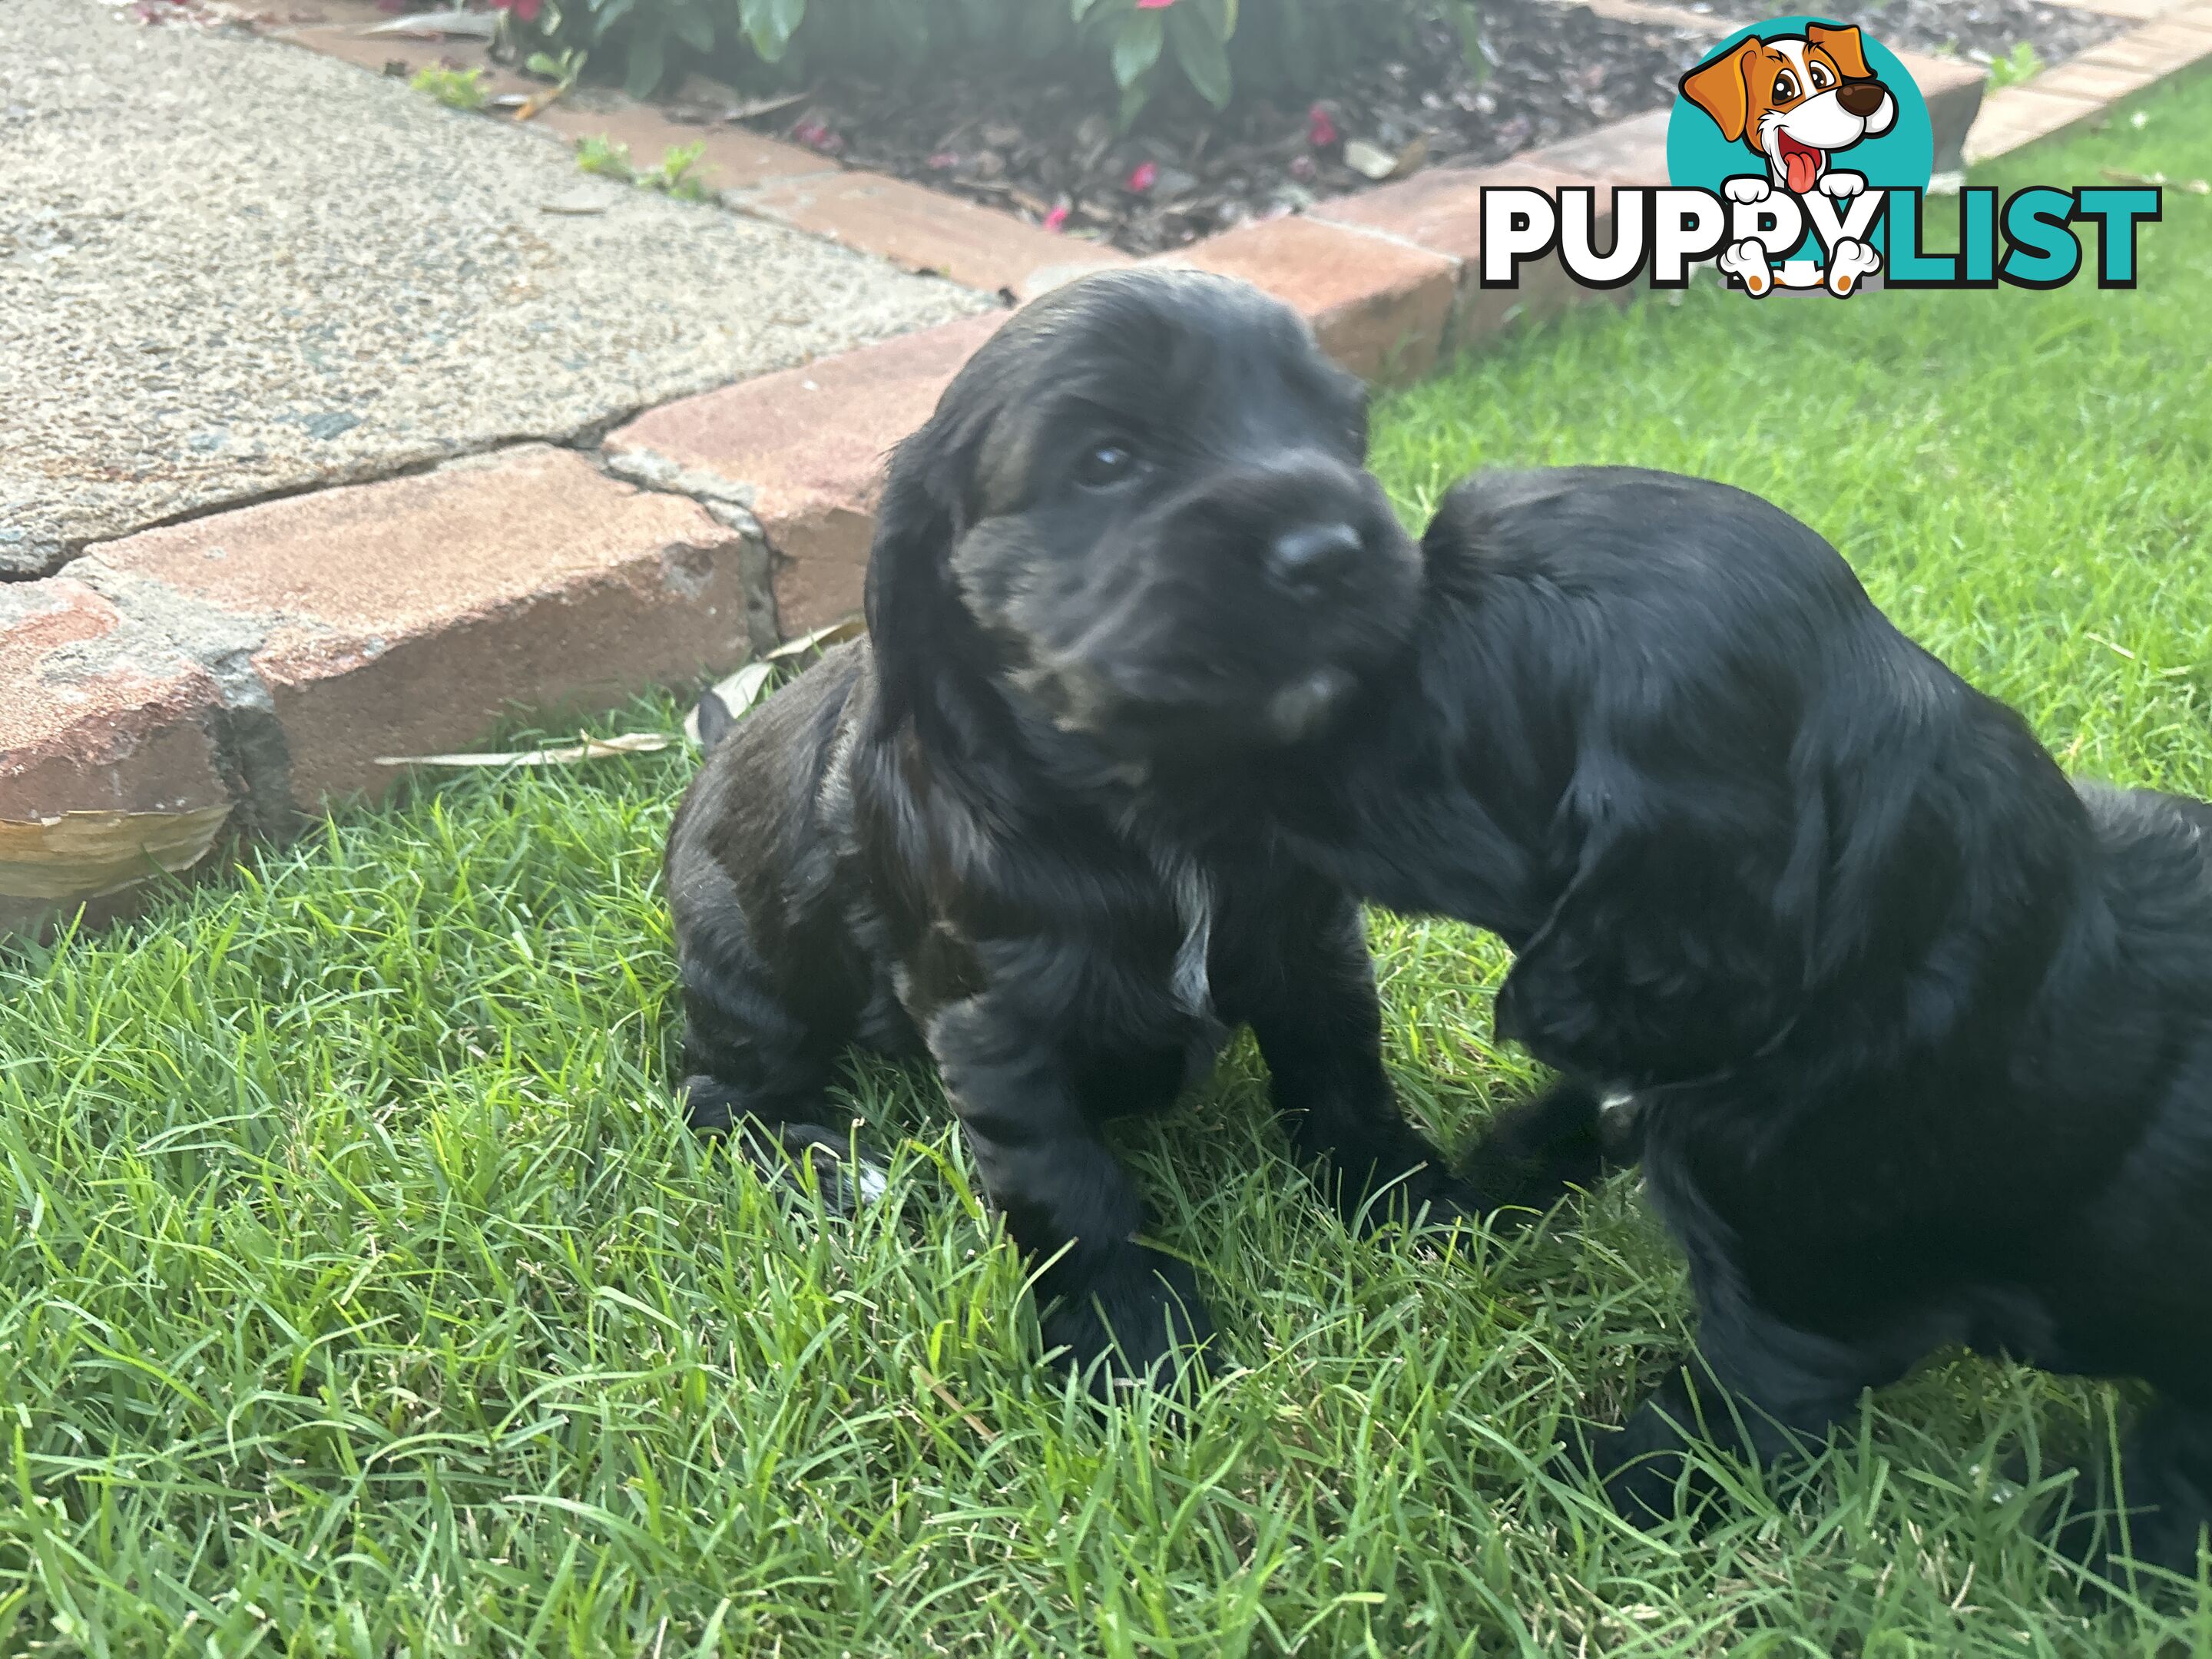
(531, 106)
(81, 855)
(845, 628)
(634, 743)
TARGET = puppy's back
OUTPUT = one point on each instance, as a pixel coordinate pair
(1702, 641)
(1625, 532)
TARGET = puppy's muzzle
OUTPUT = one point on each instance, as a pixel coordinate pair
(1244, 610)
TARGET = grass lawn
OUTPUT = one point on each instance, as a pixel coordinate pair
(360, 1292)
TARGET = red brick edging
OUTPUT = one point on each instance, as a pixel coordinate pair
(242, 658)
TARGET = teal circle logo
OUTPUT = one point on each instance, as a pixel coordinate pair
(1799, 123)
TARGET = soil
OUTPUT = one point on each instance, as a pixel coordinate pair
(1052, 153)
(1188, 170)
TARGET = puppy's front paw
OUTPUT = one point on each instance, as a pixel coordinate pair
(786, 1149)
(1533, 1154)
(1139, 1321)
(1427, 1199)
(1842, 186)
(1639, 1466)
(1747, 187)
(1648, 1489)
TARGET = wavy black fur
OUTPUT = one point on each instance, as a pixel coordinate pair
(1134, 548)
(1919, 1033)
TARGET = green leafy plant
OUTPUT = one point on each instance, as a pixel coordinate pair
(1136, 35)
(601, 155)
(1466, 18)
(2019, 64)
(562, 68)
(675, 176)
(454, 88)
(1143, 49)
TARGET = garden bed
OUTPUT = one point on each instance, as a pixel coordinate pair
(1052, 153)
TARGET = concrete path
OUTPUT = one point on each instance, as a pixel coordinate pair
(230, 268)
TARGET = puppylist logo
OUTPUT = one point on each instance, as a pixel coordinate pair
(1800, 131)
(1799, 154)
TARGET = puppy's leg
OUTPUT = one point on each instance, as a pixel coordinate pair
(1534, 1153)
(1067, 1203)
(1753, 1385)
(758, 1069)
(1320, 1029)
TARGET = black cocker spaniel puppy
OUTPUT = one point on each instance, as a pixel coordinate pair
(1134, 548)
(1917, 1035)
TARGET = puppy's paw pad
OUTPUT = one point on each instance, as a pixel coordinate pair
(1842, 186)
(1747, 188)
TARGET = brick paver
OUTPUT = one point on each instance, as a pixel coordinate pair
(807, 448)
(1378, 306)
(407, 617)
(89, 723)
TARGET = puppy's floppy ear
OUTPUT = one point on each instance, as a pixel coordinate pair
(1722, 89)
(1845, 45)
(1683, 942)
(909, 602)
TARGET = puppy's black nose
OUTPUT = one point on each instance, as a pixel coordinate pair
(1314, 555)
(1861, 98)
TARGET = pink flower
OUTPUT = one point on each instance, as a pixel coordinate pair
(812, 134)
(941, 161)
(525, 11)
(1142, 177)
(1057, 219)
(1154, 5)
(1321, 130)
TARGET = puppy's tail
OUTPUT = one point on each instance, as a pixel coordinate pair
(711, 718)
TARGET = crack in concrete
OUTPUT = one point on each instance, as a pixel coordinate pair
(50, 555)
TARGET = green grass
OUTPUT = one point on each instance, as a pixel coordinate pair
(360, 1293)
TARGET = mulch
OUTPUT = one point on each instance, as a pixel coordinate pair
(1053, 154)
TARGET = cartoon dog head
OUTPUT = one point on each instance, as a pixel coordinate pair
(1794, 99)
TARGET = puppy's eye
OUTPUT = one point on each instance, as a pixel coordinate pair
(1785, 87)
(1104, 465)
(1820, 78)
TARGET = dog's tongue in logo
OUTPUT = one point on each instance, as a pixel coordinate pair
(1802, 163)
